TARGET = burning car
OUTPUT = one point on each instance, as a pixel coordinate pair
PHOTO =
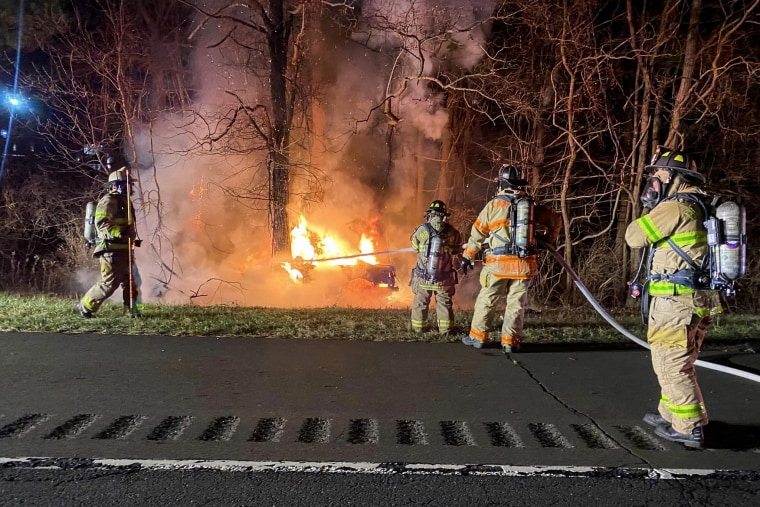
(367, 282)
(382, 276)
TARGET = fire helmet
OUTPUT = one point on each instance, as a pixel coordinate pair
(678, 161)
(509, 177)
(119, 181)
(668, 169)
(437, 208)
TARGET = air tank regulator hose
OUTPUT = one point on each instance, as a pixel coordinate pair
(624, 331)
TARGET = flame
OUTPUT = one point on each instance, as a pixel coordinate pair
(295, 274)
(367, 246)
(308, 246)
(197, 194)
(300, 244)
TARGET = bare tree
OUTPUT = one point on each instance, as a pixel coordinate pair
(272, 33)
(104, 77)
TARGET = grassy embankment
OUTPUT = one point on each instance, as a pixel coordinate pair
(556, 326)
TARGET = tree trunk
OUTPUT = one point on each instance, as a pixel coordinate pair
(675, 136)
(419, 195)
(279, 158)
(315, 78)
(443, 190)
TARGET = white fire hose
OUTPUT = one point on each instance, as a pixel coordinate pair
(624, 331)
(599, 308)
(368, 254)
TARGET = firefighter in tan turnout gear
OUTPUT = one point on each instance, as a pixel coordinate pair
(678, 313)
(436, 243)
(116, 239)
(509, 222)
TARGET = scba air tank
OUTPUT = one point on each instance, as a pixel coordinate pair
(90, 233)
(434, 258)
(732, 251)
(524, 224)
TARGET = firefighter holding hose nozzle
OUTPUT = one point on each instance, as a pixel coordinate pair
(436, 242)
(114, 234)
(510, 223)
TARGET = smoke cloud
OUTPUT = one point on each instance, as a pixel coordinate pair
(203, 216)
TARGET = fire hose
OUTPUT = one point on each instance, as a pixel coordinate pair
(624, 331)
(368, 254)
(599, 308)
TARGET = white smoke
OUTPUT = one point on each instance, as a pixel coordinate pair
(209, 241)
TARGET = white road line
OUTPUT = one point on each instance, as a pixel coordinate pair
(346, 467)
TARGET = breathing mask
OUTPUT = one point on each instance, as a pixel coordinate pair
(655, 189)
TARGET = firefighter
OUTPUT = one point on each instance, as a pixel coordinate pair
(116, 240)
(436, 242)
(678, 315)
(509, 222)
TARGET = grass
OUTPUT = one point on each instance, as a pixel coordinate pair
(556, 326)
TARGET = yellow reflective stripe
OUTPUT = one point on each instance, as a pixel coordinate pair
(703, 311)
(682, 411)
(444, 323)
(116, 220)
(685, 239)
(667, 289)
(87, 303)
(651, 230)
(685, 411)
(432, 285)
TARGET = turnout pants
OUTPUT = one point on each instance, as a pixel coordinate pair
(114, 271)
(492, 290)
(444, 306)
(676, 328)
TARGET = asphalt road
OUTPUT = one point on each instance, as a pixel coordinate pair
(94, 416)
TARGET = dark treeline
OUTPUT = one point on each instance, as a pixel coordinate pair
(579, 93)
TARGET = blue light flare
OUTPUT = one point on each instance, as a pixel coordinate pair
(15, 96)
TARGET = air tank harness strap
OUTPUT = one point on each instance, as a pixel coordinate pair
(507, 249)
(686, 277)
(502, 250)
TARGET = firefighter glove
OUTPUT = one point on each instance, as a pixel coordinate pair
(466, 265)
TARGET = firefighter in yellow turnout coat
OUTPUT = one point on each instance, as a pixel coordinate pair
(507, 270)
(679, 315)
(436, 243)
(115, 224)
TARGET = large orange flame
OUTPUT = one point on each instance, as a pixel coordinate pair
(309, 246)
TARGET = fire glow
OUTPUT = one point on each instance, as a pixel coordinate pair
(311, 249)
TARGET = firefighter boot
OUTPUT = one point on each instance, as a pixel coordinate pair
(654, 419)
(694, 440)
(510, 344)
(472, 342)
(85, 314)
